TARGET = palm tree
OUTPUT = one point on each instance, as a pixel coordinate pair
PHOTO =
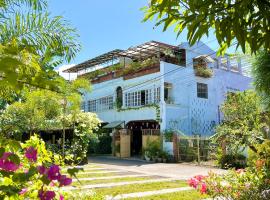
(32, 43)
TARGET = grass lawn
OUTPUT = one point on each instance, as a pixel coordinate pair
(113, 180)
(124, 189)
(184, 195)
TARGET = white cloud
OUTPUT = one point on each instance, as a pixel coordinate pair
(67, 76)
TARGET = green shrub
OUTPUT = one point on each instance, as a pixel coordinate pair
(237, 161)
(153, 149)
(168, 134)
(203, 72)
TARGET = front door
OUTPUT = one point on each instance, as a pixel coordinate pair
(136, 144)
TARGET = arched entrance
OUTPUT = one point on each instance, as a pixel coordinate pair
(137, 128)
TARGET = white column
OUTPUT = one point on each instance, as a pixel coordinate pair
(162, 102)
(228, 63)
(239, 66)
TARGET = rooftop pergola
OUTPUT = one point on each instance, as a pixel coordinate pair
(140, 52)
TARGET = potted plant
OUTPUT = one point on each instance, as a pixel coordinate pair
(147, 155)
(164, 156)
(159, 156)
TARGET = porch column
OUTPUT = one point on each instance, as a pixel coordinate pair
(162, 102)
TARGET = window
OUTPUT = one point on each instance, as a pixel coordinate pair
(83, 106)
(119, 97)
(102, 104)
(157, 95)
(202, 90)
(142, 97)
(92, 107)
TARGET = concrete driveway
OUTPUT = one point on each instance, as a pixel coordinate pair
(170, 170)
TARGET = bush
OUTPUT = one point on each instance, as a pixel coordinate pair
(100, 145)
(105, 145)
(153, 149)
(28, 172)
(168, 134)
(237, 161)
(203, 72)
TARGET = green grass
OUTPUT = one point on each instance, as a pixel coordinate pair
(140, 187)
(183, 195)
(113, 180)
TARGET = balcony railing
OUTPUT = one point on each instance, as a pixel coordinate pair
(151, 131)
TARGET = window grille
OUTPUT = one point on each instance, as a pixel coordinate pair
(202, 90)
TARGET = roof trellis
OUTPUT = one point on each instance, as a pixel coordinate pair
(140, 52)
(95, 61)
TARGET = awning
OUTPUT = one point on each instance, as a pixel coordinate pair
(113, 124)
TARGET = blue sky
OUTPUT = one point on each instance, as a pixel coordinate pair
(104, 25)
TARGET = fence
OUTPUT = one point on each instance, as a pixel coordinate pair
(193, 148)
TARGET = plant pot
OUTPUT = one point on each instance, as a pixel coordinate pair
(159, 159)
(147, 158)
(164, 160)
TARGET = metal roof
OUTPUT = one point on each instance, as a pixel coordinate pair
(95, 61)
(114, 124)
(140, 52)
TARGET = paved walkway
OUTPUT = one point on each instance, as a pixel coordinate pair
(169, 170)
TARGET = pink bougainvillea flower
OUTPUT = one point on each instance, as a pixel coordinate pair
(54, 173)
(193, 182)
(61, 197)
(6, 164)
(42, 170)
(46, 195)
(23, 191)
(31, 154)
(64, 180)
(240, 171)
(199, 177)
(203, 188)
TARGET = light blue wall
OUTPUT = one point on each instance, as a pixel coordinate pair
(188, 113)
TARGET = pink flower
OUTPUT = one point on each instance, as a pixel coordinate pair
(64, 181)
(42, 170)
(193, 182)
(7, 164)
(61, 197)
(23, 191)
(54, 173)
(31, 154)
(240, 171)
(199, 177)
(46, 195)
(203, 188)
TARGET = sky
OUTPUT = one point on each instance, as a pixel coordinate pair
(104, 25)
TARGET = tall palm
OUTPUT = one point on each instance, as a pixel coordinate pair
(32, 43)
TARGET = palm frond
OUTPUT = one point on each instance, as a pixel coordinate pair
(47, 35)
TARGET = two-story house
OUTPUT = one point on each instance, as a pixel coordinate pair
(154, 87)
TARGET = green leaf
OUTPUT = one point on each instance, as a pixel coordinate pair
(14, 158)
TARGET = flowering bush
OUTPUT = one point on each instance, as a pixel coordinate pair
(26, 171)
(84, 125)
(235, 184)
